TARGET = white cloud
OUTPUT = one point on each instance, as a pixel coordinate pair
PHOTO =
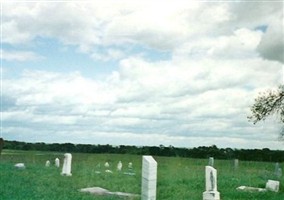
(202, 90)
(19, 56)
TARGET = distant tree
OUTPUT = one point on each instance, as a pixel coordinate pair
(269, 103)
(1, 144)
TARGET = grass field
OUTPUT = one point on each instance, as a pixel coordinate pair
(178, 178)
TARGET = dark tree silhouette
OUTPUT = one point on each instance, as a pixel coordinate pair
(269, 103)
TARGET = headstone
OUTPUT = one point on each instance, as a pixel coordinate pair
(107, 165)
(211, 161)
(47, 163)
(211, 192)
(57, 162)
(130, 165)
(236, 163)
(1, 144)
(278, 170)
(276, 167)
(272, 185)
(279, 173)
(149, 178)
(119, 166)
(20, 166)
(66, 169)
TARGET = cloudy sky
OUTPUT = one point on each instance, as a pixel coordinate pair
(181, 73)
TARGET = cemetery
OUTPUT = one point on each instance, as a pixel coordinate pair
(25, 176)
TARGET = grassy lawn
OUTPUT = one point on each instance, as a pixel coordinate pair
(178, 178)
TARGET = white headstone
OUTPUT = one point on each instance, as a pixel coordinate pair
(57, 162)
(20, 166)
(279, 173)
(236, 163)
(211, 192)
(106, 165)
(119, 166)
(66, 169)
(278, 170)
(272, 185)
(47, 163)
(211, 161)
(149, 178)
(130, 165)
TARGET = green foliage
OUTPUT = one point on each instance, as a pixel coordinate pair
(178, 178)
(268, 103)
(197, 152)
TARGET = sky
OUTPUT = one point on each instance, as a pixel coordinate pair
(146, 73)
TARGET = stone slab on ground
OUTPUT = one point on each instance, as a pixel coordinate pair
(102, 191)
(251, 189)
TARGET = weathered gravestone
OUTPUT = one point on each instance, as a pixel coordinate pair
(236, 163)
(1, 144)
(211, 161)
(66, 169)
(119, 166)
(57, 162)
(272, 185)
(278, 170)
(47, 163)
(20, 166)
(211, 192)
(149, 178)
(106, 165)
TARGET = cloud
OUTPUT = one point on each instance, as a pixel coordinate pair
(272, 44)
(198, 94)
(169, 98)
(96, 25)
(20, 56)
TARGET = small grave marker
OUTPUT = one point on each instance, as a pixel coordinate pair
(57, 162)
(20, 166)
(272, 185)
(211, 161)
(149, 178)
(236, 163)
(278, 170)
(119, 166)
(47, 163)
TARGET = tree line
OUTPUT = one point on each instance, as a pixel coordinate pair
(170, 151)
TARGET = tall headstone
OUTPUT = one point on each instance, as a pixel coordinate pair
(236, 163)
(66, 169)
(211, 161)
(119, 166)
(278, 170)
(211, 192)
(149, 178)
(1, 144)
(57, 162)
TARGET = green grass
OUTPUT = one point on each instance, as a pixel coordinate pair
(178, 178)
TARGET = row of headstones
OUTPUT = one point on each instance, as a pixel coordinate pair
(66, 169)
(277, 172)
(149, 178)
(235, 162)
